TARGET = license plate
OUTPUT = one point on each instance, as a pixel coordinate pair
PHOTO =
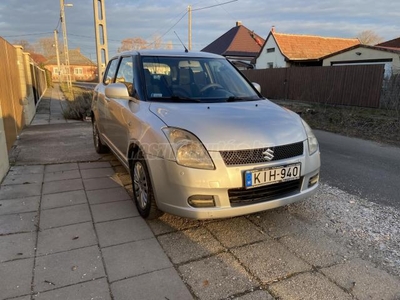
(272, 175)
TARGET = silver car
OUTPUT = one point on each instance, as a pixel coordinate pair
(198, 138)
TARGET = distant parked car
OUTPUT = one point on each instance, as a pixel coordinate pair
(198, 138)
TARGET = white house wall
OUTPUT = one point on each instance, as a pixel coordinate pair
(366, 54)
(276, 58)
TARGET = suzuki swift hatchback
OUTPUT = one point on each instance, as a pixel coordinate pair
(198, 138)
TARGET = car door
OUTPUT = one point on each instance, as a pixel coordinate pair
(118, 131)
(103, 106)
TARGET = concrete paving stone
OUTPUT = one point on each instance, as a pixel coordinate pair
(217, 277)
(18, 223)
(66, 238)
(257, 295)
(236, 232)
(20, 191)
(62, 186)
(100, 183)
(163, 284)
(96, 289)
(62, 175)
(22, 298)
(94, 165)
(16, 277)
(17, 246)
(278, 223)
(66, 268)
(190, 244)
(15, 206)
(96, 173)
(310, 286)
(61, 167)
(30, 169)
(270, 261)
(363, 280)
(40, 122)
(12, 179)
(107, 195)
(169, 223)
(57, 121)
(113, 211)
(63, 199)
(134, 259)
(316, 248)
(64, 216)
(122, 231)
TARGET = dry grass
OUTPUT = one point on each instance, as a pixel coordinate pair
(79, 102)
(381, 125)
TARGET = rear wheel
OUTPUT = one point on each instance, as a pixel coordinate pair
(98, 145)
(142, 190)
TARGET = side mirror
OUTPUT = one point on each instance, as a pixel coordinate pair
(117, 91)
(257, 86)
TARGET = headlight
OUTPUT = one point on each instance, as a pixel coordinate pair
(188, 150)
(312, 140)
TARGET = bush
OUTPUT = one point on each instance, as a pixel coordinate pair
(78, 103)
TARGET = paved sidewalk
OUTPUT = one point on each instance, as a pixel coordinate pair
(68, 227)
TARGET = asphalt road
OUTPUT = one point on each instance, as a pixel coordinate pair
(360, 167)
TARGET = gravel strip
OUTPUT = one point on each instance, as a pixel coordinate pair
(372, 230)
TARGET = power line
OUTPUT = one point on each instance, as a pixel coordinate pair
(28, 34)
(219, 4)
(170, 28)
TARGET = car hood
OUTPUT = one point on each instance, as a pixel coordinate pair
(233, 125)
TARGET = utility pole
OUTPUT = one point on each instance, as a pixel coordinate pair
(57, 53)
(190, 27)
(65, 40)
(100, 28)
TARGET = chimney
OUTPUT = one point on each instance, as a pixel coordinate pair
(238, 23)
(273, 28)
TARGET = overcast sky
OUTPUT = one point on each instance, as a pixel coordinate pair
(33, 19)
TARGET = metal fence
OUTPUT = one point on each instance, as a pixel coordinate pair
(340, 85)
(20, 81)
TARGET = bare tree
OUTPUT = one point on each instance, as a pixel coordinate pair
(135, 43)
(169, 45)
(46, 46)
(369, 37)
(157, 41)
(25, 44)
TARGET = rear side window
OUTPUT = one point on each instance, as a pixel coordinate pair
(110, 72)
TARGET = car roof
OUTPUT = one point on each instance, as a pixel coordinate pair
(169, 53)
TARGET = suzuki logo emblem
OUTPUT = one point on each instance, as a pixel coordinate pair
(268, 154)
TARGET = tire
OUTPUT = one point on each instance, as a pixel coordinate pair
(143, 194)
(98, 145)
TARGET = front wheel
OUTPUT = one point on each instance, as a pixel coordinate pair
(142, 190)
(98, 145)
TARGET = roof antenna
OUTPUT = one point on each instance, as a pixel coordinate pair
(186, 50)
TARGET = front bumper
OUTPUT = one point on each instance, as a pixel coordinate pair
(174, 184)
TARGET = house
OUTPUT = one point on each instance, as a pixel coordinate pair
(367, 55)
(282, 50)
(239, 44)
(393, 44)
(81, 67)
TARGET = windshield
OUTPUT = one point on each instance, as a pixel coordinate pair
(183, 79)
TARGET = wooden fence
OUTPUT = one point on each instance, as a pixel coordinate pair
(22, 83)
(341, 85)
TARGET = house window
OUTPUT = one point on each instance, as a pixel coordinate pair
(270, 50)
(55, 70)
(270, 65)
(78, 71)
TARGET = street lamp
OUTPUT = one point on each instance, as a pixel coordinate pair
(65, 40)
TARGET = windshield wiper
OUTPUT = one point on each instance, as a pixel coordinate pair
(177, 98)
(234, 98)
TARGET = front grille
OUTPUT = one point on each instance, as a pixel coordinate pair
(254, 156)
(240, 197)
